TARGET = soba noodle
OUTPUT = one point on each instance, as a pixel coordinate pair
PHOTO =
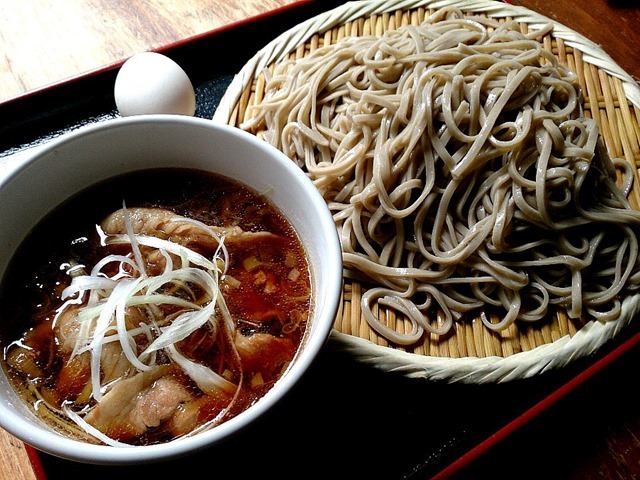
(462, 174)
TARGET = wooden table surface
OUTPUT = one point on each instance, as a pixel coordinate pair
(44, 42)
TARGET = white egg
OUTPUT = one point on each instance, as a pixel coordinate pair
(149, 83)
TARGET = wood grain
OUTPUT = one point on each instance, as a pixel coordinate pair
(15, 463)
(612, 24)
(45, 41)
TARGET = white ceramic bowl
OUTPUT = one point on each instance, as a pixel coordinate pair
(97, 152)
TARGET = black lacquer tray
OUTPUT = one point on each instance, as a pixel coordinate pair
(345, 419)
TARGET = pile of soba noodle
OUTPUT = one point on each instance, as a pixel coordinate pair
(461, 172)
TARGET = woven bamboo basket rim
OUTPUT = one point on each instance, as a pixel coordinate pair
(470, 353)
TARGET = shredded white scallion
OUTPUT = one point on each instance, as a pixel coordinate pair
(104, 318)
(221, 246)
(134, 242)
(121, 259)
(87, 282)
(207, 380)
(169, 246)
(180, 328)
(77, 418)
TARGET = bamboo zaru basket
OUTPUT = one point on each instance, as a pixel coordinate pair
(469, 352)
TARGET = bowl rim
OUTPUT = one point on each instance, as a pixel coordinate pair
(58, 445)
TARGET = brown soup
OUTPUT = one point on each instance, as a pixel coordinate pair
(152, 306)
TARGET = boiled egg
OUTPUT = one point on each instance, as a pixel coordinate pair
(150, 83)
